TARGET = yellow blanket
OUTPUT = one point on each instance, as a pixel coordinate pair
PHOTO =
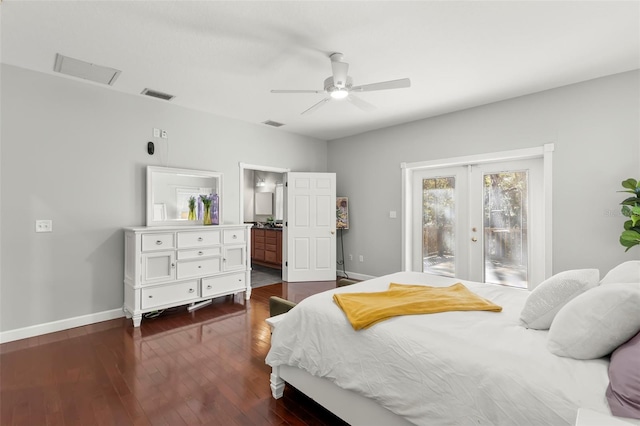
(366, 309)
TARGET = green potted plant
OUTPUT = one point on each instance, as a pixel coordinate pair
(631, 208)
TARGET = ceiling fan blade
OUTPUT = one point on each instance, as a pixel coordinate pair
(315, 106)
(340, 70)
(393, 84)
(297, 91)
(363, 105)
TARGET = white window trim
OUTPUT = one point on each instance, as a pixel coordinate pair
(545, 152)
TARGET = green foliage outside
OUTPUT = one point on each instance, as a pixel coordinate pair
(631, 208)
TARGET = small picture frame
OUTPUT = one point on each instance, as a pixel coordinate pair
(342, 213)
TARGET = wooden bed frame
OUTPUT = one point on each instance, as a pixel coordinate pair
(351, 407)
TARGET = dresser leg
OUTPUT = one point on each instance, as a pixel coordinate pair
(137, 319)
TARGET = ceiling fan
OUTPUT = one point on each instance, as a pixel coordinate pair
(340, 86)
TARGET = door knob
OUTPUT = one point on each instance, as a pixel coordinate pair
(474, 239)
(333, 232)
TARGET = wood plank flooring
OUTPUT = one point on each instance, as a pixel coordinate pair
(182, 368)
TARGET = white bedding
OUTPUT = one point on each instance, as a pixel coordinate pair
(453, 368)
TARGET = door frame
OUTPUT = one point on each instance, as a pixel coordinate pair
(545, 152)
(258, 168)
(254, 167)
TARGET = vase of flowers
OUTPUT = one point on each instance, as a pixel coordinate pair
(192, 208)
(206, 202)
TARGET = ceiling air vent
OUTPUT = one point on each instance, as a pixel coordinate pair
(156, 94)
(86, 70)
(272, 123)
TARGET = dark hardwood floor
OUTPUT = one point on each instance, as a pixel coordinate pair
(181, 368)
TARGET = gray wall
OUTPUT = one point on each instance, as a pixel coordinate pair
(594, 126)
(75, 152)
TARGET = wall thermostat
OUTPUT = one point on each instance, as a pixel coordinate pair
(150, 148)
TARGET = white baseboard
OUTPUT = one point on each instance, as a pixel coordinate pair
(65, 324)
(355, 275)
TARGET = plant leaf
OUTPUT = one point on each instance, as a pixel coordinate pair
(630, 235)
(630, 184)
(631, 201)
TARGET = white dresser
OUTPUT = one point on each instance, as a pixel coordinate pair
(173, 266)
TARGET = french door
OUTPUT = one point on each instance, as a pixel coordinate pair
(480, 222)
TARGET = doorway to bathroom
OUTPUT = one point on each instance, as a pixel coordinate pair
(262, 204)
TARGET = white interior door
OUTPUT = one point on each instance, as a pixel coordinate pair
(309, 227)
(480, 222)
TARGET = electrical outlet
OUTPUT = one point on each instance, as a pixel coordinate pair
(156, 133)
(350, 257)
(392, 214)
(44, 225)
(163, 134)
(361, 258)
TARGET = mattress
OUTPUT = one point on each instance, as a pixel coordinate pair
(450, 368)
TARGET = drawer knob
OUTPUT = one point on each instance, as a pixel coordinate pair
(150, 297)
(199, 238)
(199, 266)
(191, 290)
(173, 265)
(158, 242)
(209, 287)
(235, 236)
(200, 253)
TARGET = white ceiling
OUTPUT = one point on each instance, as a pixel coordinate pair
(224, 56)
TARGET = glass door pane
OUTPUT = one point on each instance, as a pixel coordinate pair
(505, 228)
(438, 225)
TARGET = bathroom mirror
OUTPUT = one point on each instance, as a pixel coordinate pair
(169, 190)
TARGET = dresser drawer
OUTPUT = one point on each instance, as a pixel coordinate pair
(169, 294)
(198, 267)
(198, 239)
(212, 286)
(154, 242)
(259, 245)
(234, 235)
(198, 253)
(258, 233)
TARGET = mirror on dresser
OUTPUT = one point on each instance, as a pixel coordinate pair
(169, 190)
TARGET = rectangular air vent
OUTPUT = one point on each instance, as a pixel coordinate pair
(156, 94)
(272, 123)
(85, 70)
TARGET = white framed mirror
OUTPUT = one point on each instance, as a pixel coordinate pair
(169, 190)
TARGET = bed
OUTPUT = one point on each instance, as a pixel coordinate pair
(450, 368)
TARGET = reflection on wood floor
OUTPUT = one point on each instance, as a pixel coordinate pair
(181, 368)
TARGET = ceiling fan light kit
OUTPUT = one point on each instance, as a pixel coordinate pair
(340, 86)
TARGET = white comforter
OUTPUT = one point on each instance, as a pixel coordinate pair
(453, 368)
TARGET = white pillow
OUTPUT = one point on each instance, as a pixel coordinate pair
(595, 323)
(626, 272)
(551, 295)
